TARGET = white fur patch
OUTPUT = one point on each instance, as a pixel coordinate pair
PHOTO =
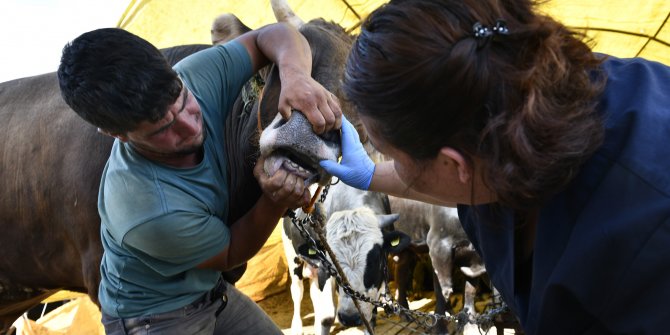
(351, 235)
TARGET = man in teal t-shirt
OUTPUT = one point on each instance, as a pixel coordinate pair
(164, 194)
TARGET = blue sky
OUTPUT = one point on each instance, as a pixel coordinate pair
(33, 32)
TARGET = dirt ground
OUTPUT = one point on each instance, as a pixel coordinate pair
(280, 309)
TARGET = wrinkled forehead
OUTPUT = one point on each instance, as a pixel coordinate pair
(354, 235)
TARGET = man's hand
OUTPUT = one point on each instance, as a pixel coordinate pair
(283, 188)
(282, 44)
(301, 92)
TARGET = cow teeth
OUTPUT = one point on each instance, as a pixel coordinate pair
(292, 164)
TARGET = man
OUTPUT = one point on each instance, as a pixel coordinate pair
(163, 194)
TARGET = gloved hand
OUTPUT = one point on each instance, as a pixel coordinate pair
(356, 168)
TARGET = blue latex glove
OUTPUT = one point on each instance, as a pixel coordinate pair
(356, 168)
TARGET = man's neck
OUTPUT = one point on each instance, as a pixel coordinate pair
(177, 160)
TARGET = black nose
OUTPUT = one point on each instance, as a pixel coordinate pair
(350, 320)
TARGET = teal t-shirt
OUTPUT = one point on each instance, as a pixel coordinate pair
(160, 222)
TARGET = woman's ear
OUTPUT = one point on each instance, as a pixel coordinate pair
(462, 167)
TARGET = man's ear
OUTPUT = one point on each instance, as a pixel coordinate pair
(120, 137)
(462, 167)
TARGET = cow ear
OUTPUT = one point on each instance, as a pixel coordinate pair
(395, 241)
(386, 220)
(306, 250)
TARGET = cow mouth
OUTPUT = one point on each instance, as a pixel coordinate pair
(293, 163)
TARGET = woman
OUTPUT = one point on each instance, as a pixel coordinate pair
(557, 157)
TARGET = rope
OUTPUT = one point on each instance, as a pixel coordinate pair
(310, 207)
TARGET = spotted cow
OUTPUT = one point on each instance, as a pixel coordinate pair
(361, 238)
(358, 245)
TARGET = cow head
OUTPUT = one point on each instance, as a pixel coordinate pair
(226, 27)
(361, 246)
(287, 144)
(291, 144)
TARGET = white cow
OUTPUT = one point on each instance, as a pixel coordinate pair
(361, 245)
(354, 232)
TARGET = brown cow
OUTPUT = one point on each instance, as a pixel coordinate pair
(51, 162)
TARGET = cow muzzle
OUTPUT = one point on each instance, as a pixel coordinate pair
(293, 146)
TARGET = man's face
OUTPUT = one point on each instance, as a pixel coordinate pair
(179, 133)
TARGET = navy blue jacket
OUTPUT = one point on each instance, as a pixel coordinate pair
(601, 259)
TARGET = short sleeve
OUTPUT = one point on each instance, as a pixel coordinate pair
(216, 75)
(177, 242)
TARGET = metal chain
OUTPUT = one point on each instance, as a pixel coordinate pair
(386, 302)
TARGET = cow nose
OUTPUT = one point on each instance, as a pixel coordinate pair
(298, 124)
(296, 121)
(350, 320)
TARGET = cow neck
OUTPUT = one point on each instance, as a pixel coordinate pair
(258, 110)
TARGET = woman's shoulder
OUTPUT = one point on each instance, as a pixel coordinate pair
(636, 78)
(636, 110)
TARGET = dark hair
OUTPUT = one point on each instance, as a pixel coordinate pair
(523, 103)
(115, 80)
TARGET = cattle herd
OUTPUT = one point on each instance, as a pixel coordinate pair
(51, 162)
(362, 246)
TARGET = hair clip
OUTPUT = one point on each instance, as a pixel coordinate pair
(500, 28)
(480, 31)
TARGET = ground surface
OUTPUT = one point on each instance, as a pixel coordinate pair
(280, 309)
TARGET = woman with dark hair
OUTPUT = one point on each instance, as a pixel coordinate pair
(556, 157)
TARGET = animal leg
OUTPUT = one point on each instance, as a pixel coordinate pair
(403, 275)
(295, 268)
(297, 290)
(441, 306)
(324, 307)
(441, 255)
(469, 306)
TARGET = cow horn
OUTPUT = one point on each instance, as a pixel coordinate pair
(284, 13)
(386, 219)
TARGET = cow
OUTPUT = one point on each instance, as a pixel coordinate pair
(303, 265)
(361, 245)
(51, 162)
(436, 230)
(359, 232)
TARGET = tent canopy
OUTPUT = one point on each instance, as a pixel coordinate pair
(619, 27)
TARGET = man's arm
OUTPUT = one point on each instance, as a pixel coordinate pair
(248, 234)
(287, 48)
(283, 45)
